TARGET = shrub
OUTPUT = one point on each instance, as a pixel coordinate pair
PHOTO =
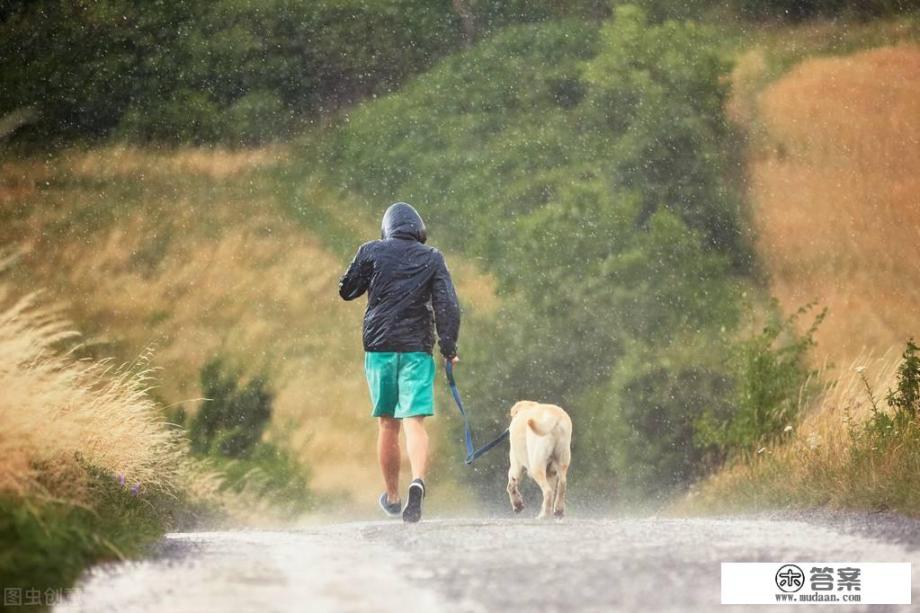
(885, 448)
(651, 410)
(657, 92)
(771, 374)
(271, 474)
(905, 398)
(228, 430)
(47, 542)
(899, 427)
(232, 419)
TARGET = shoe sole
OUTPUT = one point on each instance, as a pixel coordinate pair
(413, 511)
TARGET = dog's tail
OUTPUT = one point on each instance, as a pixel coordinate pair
(543, 427)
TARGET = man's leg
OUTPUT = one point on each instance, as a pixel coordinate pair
(388, 454)
(417, 445)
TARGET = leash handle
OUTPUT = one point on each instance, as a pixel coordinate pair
(471, 452)
(467, 432)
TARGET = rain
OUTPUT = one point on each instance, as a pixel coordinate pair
(476, 292)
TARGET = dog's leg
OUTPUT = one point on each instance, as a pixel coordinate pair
(551, 478)
(514, 478)
(539, 475)
(559, 502)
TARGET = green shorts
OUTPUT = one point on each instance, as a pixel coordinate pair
(401, 384)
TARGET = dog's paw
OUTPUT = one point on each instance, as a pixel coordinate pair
(517, 508)
(559, 513)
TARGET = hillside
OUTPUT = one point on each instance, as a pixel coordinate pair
(192, 252)
(549, 155)
(834, 173)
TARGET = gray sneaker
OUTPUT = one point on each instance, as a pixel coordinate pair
(413, 511)
(392, 509)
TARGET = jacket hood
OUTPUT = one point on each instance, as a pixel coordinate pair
(403, 221)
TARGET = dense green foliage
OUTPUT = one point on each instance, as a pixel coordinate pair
(242, 72)
(787, 10)
(234, 71)
(804, 9)
(645, 421)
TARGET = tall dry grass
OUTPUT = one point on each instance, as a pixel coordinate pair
(834, 178)
(55, 408)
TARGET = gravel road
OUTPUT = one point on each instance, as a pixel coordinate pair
(619, 564)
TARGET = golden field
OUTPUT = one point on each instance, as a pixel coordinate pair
(834, 184)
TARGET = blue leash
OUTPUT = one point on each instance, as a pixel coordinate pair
(471, 452)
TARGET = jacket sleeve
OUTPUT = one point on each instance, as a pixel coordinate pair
(357, 278)
(446, 308)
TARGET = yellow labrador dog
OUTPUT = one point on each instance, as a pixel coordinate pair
(541, 437)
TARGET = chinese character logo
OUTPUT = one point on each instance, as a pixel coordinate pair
(790, 578)
(12, 596)
(822, 578)
(848, 579)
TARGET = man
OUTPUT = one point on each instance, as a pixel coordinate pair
(407, 283)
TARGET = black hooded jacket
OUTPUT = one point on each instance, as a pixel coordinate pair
(408, 286)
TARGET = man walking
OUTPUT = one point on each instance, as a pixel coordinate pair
(407, 283)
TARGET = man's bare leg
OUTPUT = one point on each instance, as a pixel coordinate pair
(417, 446)
(388, 454)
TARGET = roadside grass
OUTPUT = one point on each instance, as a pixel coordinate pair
(56, 406)
(835, 458)
(89, 469)
(47, 542)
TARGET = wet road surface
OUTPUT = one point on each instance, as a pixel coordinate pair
(625, 564)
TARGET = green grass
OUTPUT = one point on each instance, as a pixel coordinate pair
(48, 543)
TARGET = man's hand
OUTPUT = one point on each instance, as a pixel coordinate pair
(454, 359)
